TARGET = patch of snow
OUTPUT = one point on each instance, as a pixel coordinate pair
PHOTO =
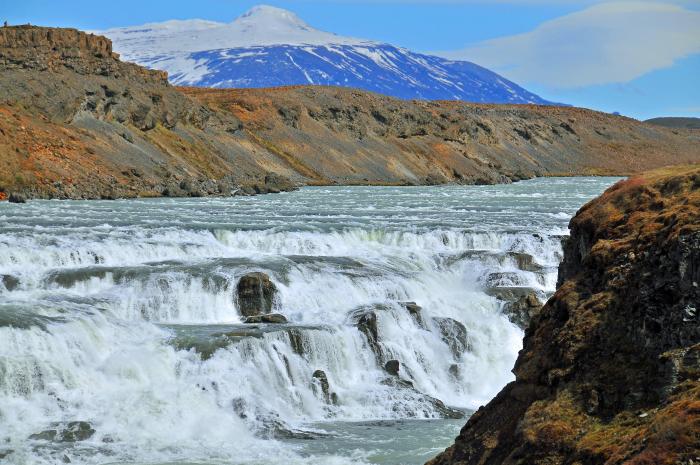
(261, 25)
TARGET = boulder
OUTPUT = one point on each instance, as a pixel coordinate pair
(366, 322)
(521, 311)
(415, 311)
(503, 279)
(521, 303)
(255, 294)
(320, 381)
(525, 261)
(267, 424)
(454, 334)
(392, 367)
(277, 318)
(72, 431)
(16, 198)
(10, 282)
(437, 405)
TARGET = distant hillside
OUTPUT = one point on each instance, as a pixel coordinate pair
(676, 122)
(76, 122)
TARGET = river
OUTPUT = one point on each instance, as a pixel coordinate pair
(121, 342)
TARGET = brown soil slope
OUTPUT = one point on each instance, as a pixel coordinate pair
(610, 369)
(351, 136)
(77, 122)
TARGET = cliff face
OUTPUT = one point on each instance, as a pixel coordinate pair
(610, 369)
(75, 122)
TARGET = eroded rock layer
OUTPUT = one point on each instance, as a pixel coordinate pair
(610, 369)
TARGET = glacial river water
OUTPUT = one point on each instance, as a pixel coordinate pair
(120, 339)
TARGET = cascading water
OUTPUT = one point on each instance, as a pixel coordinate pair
(120, 339)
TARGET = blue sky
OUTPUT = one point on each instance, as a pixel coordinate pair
(641, 58)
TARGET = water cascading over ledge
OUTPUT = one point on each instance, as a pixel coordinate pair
(121, 337)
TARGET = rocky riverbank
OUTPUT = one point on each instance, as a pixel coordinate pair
(76, 122)
(610, 370)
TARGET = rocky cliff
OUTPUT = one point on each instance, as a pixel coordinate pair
(610, 369)
(76, 122)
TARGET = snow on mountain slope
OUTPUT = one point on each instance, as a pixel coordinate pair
(269, 46)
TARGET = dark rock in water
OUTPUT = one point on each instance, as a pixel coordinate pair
(296, 339)
(321, 381)
(439, 406)
(521, 303)
(207, 339)
(255, 294)
(10, 282)
(267, 424)
(71, 431)
(503, 279)
(454, 370)
(269, 318)
(523, 310)
(392, 367)
(454, 334)
(525, 262)
(415, 311)
(445, 411)
(16, 198)
(4, 453)
(366, 321)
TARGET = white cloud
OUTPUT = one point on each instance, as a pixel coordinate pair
(605, 43)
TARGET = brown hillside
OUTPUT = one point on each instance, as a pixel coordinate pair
(75, 122)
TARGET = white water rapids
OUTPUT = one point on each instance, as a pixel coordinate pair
(120, 314)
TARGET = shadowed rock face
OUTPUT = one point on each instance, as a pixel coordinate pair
(609, 369)
(75, 122)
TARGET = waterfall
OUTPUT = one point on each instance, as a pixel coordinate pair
(119, 318)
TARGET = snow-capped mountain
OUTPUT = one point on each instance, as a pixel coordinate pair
(269, 46)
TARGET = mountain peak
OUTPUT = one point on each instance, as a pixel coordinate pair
(264, 22)
(262, 13)
(262, 25)
(270, 46)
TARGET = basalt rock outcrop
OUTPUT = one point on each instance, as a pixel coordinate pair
(76, 122)
(610, 368)
(255, 294)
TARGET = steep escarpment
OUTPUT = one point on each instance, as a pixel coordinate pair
(76, 122)
(610, 369)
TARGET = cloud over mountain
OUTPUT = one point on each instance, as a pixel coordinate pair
(606, 43)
